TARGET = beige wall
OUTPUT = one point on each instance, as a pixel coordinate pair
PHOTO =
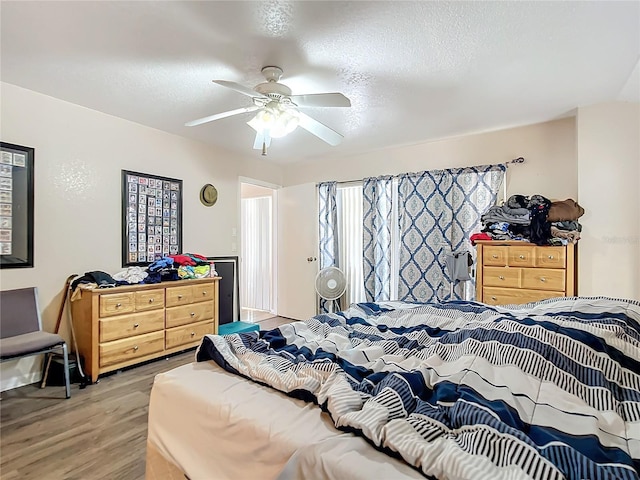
(248, 190)
(608, 144)
(594, 159)
(550, 169)
(79, 155)
(549, 149)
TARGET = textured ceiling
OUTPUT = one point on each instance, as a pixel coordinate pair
(414, 71)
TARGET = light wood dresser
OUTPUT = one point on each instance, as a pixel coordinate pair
(512, 272)
(122, 326)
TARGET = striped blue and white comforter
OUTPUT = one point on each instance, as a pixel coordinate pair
(461, 390)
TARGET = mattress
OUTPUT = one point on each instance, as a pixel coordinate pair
(548, 390)
(211, 424)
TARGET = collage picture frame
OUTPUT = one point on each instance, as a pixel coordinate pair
(151, 217)
(16, 205)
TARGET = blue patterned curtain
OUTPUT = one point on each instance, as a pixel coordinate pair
(438, 211)
(376, 231)
(328, 236)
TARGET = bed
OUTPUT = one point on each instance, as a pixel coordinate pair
(455, 390)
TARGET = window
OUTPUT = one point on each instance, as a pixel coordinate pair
(349, 206)
(350, 235)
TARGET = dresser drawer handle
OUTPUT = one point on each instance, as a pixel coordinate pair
(204, 292)
(179, 297)
(501, 277)
(193, 333)
(550, 257)
(136, 325)
(494, 256)
(151, 300)
(118, 305)
(494, 298)
(135, 348)
(193, 314)
(522, 257)
(542, 279)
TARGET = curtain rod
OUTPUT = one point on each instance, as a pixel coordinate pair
(515, 160)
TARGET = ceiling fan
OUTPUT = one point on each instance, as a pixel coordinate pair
(278, 111)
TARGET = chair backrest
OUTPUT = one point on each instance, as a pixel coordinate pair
(19, 312)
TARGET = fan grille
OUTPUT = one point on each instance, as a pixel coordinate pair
(330, 283)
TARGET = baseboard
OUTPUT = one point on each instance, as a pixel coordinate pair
(21, 372)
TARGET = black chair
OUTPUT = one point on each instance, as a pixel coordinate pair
(21, 332)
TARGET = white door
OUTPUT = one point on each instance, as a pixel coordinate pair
(297, 251)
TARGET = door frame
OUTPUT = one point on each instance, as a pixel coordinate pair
(274, 230)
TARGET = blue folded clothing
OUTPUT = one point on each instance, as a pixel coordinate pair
(164, 262)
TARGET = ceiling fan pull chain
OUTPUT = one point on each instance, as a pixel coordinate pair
(264, 149)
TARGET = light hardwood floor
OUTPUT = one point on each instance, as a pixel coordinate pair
(99, 433)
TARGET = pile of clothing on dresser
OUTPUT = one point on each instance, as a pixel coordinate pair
(175, 267)
(535, 219)
(168, 268)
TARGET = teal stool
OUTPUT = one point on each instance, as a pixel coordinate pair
(237, 327)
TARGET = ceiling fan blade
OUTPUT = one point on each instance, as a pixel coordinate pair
(218, 116)
(262, 139)
(239, 88)
(319, 130)
(321, 100)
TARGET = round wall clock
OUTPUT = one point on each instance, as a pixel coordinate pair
(208, 195)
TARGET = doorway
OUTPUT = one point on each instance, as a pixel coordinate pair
(257, 251)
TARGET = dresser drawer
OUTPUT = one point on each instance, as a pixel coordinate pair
(550, 257)
(120, 351)
(149, 300)
(543, 279)
(179, 296)
(521, 256)
(129, 325)
(501, 277)
(202, 292)
(506, 296)
(123, 326)
(116, 304)
(187, 334)
(542, 272)
(496, 256)
(197, 312)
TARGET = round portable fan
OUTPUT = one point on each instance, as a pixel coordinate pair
(331, 285)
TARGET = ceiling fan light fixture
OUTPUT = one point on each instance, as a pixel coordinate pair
(278, 119)
(278, 112)
(285, 123)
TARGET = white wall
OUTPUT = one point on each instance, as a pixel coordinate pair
(548, 148)
(608, 143)
(79, 155)
(550, 170)
(594, 159)
(248, 190)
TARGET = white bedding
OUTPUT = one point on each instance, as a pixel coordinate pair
(216, 425)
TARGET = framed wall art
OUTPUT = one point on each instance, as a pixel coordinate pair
(16, 206)
(151, 217)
